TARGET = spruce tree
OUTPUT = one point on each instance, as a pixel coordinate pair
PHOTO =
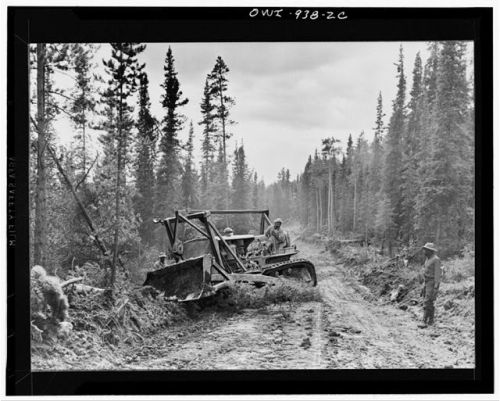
(411, 148)
(222, 101)
(170, 169)
(393, 153)
(124, 70)
(145, 181)
(83, 100)
(443, 199)
(220, 181)
(359, 178)
(240, 187)
(49, 57)
(330, 151)
(207, 145)
(429, 88)
(306, 192)
(377, 148)
(348, 187)
(255, 190)
(189, 175)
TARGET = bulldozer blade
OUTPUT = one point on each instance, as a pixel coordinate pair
(296, 269)
(188, 280)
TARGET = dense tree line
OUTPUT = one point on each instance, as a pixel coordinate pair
(415, 181)
(412, 183)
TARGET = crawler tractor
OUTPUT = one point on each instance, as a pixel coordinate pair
(204, 261)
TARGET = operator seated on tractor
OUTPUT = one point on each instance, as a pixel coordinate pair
(228, 232)
(277, 238)
(161, 262)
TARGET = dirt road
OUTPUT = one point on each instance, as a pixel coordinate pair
(349, 328)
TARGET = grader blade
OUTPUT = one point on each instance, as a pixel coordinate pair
(188, 280)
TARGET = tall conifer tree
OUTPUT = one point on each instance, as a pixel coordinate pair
(84, 102)
(393, 152)
(124, 70)
(189, 175)
(443, 199)
(145, 181)
(208, 140)
(411, 148)
(169, 169)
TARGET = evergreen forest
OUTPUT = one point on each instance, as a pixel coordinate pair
(411, 183)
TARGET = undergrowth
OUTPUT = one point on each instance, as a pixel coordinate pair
(404, 280)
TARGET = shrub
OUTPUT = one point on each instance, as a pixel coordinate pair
(141, 264)
(460, 268)
(356, 255)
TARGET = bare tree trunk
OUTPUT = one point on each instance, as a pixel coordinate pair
(86, 216)
(320, 208)
(355, 201)
(329, 209)
(223, 123)
(438, 232)
(118, 192)
(333, 207)
(117, 214)
(84, 145)
(317, 210)
(40, 231)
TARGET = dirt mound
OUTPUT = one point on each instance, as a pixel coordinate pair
(240, 296)
(133, 314)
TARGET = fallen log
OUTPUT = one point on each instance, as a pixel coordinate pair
(85, 289)
(351, 241)
(71, 281)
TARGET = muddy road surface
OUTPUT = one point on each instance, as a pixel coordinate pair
(348, 328)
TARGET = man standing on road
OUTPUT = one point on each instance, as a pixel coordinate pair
(277, 237)
(432, 278)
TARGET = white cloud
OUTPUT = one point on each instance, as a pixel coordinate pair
(288, 95)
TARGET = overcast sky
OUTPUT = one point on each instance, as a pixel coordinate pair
(288, 95)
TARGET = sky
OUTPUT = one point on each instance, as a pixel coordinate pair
(288, 95)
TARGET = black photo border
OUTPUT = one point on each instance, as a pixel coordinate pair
(234, 24)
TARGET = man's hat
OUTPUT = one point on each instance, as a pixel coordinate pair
(278, 220)
(162, 255)
(430, 246)
(228, 230)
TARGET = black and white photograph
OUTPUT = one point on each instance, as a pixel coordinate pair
(208, 206)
